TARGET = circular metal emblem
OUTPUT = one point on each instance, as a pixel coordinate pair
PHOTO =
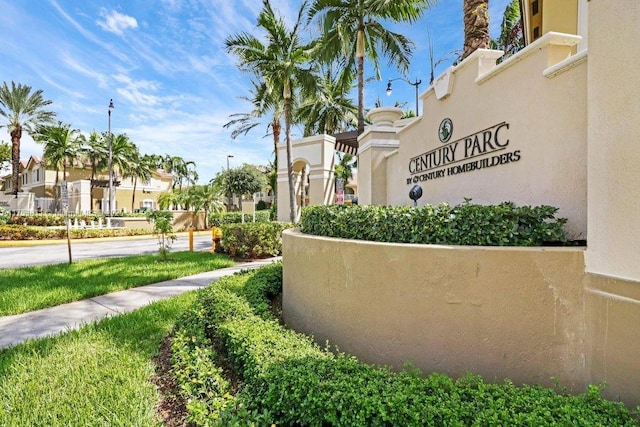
(445, 130)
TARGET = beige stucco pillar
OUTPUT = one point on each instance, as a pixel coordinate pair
(375, 145)
(315, 153)
(613, 134)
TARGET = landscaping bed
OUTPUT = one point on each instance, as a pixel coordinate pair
(284, 378)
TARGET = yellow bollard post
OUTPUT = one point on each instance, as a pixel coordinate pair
(191, 238)
(213, 239)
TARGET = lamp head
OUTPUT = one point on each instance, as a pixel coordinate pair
(389, 88)
(415, 193)
(111, 107)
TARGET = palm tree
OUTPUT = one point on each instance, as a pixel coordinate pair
(95, 151)
(168, 199)
(330, 109)
(61, 148)
(141, 169)
(192, 174)
(511, 39)
(177, 166)
(206, 198)
(265, 103)
(282, 64)
(24, 111)
(476, 26)
(344, 168)
(123, 154)
(341, 19)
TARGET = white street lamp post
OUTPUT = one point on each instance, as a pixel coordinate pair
(111, 195)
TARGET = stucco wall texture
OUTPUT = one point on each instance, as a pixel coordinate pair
(544, 136)
(527, 314)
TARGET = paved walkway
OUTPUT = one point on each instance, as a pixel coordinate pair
(55, 320)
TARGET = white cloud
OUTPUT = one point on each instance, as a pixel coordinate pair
(116, 22)
(75, 65)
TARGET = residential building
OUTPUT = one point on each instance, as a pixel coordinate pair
(86, 193)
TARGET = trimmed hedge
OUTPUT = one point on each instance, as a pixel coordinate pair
(289, 380)
(20, 232)
(253, 240)
(220, 219)
(53, 220)
(465, 224)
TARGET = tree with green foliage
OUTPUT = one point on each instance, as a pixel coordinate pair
(340, 20)
(163, 229)
(94, 151)
(62, 147)
(141, 168)
(5, 155)
(123, 154)
(282, 64)
(205, 198)
(330, 109)
(511, 38)
(24, 111)
(242, 181)
(344, 168)
(265, 103)
(183, 171)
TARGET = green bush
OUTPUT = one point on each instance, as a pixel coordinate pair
(465, 224)
(21, 232)
(253, 240)
(220, 219)
(288, 380)
(261, 205)
(5, 215)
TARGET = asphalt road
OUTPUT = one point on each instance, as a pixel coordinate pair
(22, 256)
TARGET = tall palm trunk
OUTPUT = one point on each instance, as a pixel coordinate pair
(55, 190)
(277, 128)
(93, 177)
(16, 134)
(287, 124)
(133, 196)
(476, 25)
(360, 54)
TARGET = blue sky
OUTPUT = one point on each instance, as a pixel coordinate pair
(164, 64)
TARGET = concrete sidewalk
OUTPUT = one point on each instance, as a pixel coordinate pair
(55, 320)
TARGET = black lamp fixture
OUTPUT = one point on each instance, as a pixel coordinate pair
(415, 83)
(415, 193)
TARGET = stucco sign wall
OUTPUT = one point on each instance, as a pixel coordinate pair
(482, 150)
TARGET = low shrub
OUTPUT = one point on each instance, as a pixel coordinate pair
(287, 379)
(219, 219)
(200, 381)
(21, 232)
(465, 224)
(253, 240)
(5, 215)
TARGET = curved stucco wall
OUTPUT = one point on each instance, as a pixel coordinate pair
(500, 312)
(528, 314)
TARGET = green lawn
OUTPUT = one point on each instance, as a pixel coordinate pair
(32, 288)
(98, 375)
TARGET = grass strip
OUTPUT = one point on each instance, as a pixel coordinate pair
(97, 375)
(33, 288)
